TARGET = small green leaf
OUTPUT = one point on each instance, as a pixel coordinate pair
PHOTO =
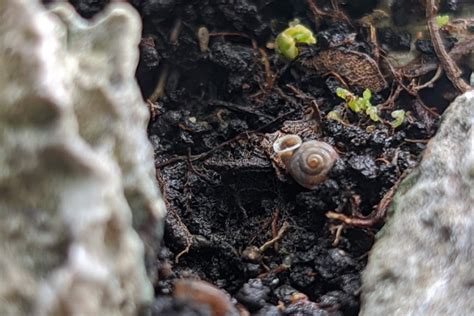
(367, 94)
(301, 34)
(342, 93)
(355, 105)
(372, 112)
(442, 20)
(364, 104)
(285, 43)
(334, 115)
(399, 117)
(285, 46)
(359, 104)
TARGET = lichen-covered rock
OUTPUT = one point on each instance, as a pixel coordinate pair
(422, 263)
(76, 167)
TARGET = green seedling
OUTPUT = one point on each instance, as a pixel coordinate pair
(334, 115)
(372, 112)
(362, 104)
(285, 43)
(359, 104)
(442, 20)
(399, 117)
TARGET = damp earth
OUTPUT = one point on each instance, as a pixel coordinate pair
(218, 96)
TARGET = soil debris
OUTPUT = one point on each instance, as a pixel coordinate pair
(221, 105)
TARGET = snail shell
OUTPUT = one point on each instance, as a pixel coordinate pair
(308, 163)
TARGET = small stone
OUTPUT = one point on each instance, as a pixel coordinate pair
(365, 165)
(253, 294)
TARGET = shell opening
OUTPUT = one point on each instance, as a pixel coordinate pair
(286, 146)
(287, 143)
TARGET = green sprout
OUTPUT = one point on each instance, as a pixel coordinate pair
(442, 20)
(372, 112)
(359, 104)
(285, 43)
(399, 117)
(335, 116)
(362, 104)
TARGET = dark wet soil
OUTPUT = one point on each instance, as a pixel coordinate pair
(211, 127)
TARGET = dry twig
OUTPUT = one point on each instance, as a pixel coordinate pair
(452, 70)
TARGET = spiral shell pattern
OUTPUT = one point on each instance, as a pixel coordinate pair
(309, 162)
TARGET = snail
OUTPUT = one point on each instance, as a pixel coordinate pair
(308, 163)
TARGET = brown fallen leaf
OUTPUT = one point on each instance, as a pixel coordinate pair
(356, 68)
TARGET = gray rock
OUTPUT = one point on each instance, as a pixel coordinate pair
(422, 262)
(76, 168)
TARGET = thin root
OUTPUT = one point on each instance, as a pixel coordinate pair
(376, 217)
(279, 236)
